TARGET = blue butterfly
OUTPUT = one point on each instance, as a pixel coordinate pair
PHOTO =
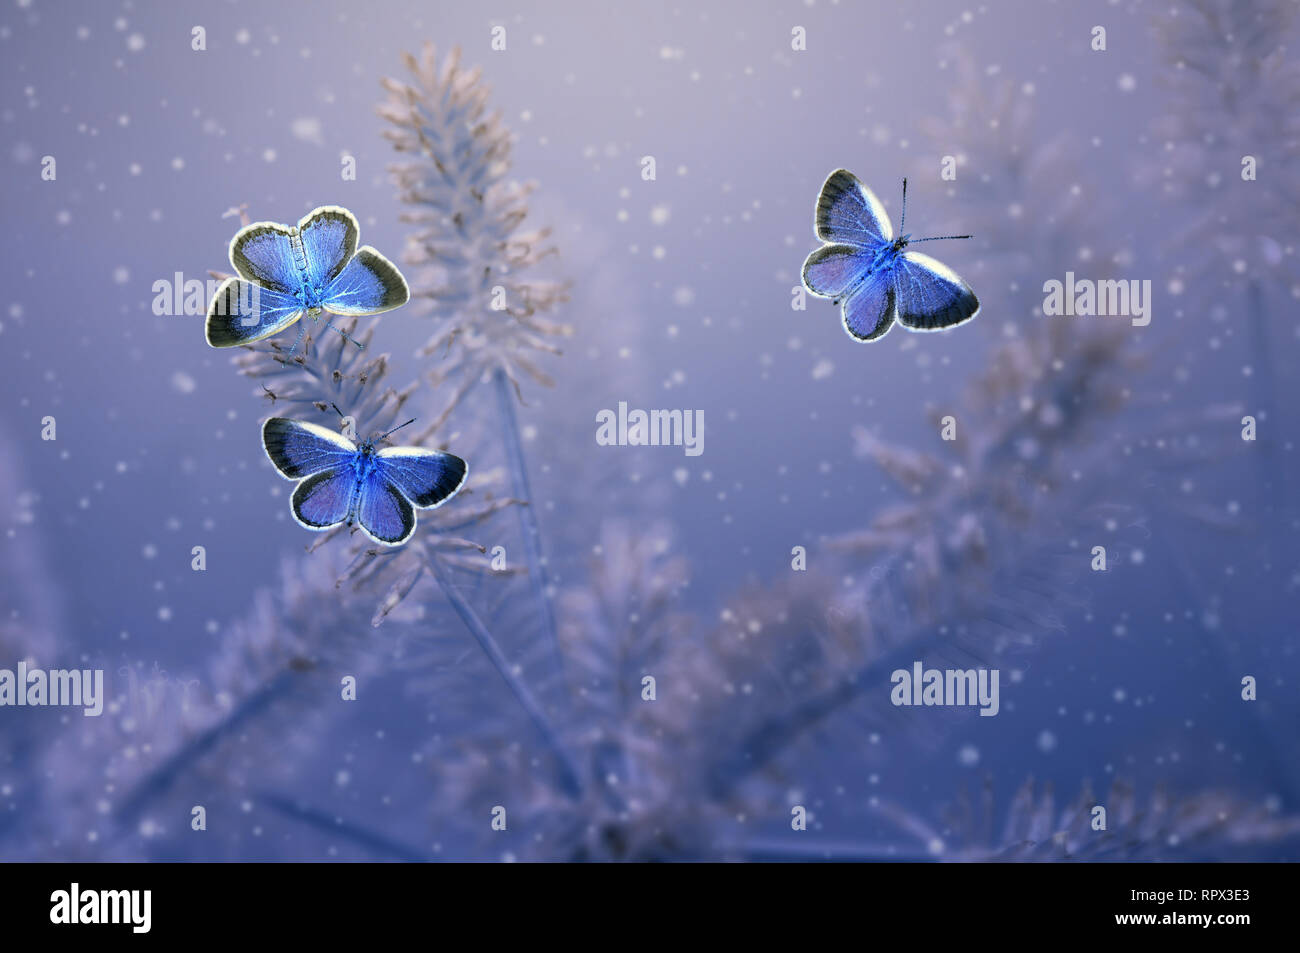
(339, 481)
(286, 272)
(867, 272)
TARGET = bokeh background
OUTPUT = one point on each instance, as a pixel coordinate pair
(522, 689)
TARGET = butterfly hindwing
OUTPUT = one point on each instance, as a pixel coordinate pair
(833, 270)
(383, 512)
(849, 212)
(242, 312)
(299, 449)
(369, 284)
(870, 310)
(428, 478)
(931, 296)
(324, 499)
(329, 240)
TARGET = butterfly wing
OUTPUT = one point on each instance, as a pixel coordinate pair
(428, 478)
(242, 312)
(931, 296)
(832, 270)
(871, 308)
(263, 252)
(324, 499)
(383, 512)
(849, 212)
(299, 449)
(368, 284)
(329, 240)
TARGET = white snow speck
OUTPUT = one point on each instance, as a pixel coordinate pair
(308, 129)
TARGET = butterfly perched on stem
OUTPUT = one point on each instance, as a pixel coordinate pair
(286, 272)
(869, 274)
(340, 481)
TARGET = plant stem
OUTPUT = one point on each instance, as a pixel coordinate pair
(771, 736)
(338, 827)
(528, 513)
(569, 773)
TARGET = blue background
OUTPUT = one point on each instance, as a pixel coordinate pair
(1109, 163)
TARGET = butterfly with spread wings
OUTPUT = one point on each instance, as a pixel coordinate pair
(286, 272)
(341, 481)
(868, 273)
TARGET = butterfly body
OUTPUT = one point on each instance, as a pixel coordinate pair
(375, 488)
(309, 294)
(883, 258)
(363, 466)
(286, 272)
(871, 275)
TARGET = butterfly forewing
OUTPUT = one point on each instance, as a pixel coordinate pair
(427, 478)
(848, 211)
(299, 449)
(329, 240)
(263, 252)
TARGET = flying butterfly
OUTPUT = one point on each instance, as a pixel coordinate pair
(286, 272)
(867, 272)
(340, 481)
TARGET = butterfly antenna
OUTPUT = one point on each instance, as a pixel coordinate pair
(395, 429)
(902, 219)
(337, 411)
(938, 238)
